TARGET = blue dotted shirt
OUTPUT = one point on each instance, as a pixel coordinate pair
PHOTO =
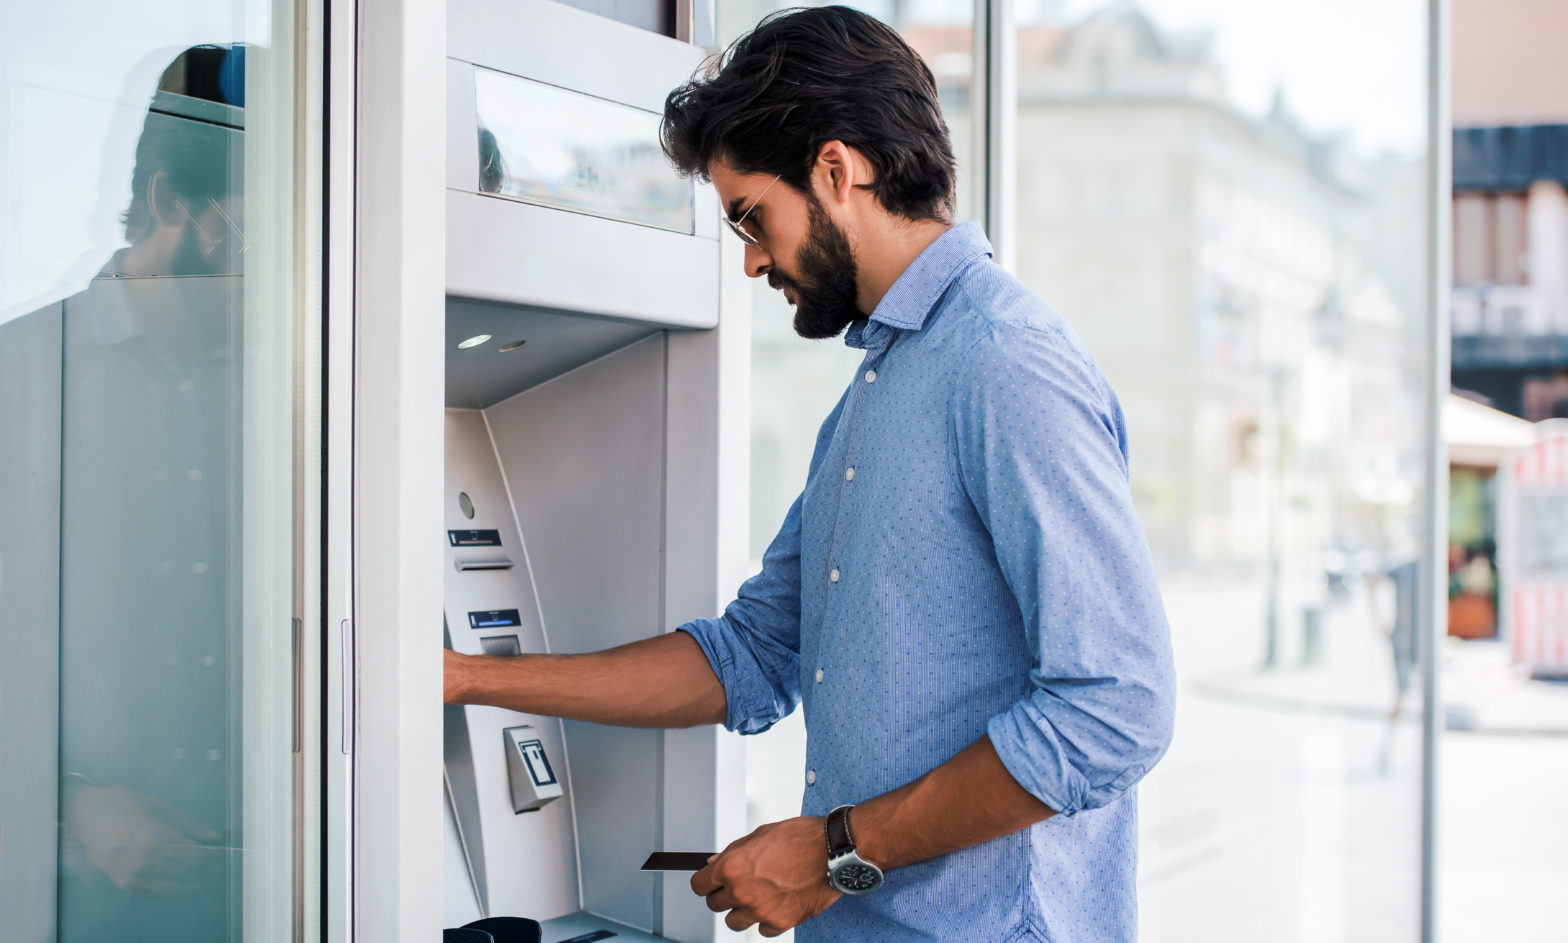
(965, 561)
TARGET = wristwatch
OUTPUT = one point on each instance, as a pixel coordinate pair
(848, 873)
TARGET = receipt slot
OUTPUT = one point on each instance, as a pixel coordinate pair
(595, 433)
(534, 782)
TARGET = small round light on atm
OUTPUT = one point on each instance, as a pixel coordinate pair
(512, 346)
(474, 341)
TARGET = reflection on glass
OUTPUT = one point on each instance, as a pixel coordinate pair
(1251, 284)
(564, 149)
(126, 681)
(148, 449)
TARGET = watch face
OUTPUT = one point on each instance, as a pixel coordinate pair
(855, 878)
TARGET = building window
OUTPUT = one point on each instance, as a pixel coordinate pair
(1491, 238)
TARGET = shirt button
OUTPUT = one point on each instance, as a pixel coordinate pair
(811, 777)
(871, 376)
(819, 675)
(849, 474)
(833, 576)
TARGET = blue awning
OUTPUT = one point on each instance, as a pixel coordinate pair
(1509, 158)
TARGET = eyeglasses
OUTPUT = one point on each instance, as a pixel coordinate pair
(735, 224)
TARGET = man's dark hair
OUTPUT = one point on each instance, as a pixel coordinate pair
(803, 78)
(200, 163)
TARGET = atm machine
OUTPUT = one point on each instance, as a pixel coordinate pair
(594, 351)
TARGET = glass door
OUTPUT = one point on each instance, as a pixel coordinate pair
(158, 375)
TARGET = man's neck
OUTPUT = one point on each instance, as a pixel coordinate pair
(890, 250)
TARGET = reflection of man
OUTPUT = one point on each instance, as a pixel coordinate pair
(1394, 595)
(962, 597)
(124, 398)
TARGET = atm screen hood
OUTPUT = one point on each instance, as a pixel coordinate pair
(526, 346)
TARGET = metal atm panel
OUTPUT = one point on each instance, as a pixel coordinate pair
(593, 441)
(563, 320)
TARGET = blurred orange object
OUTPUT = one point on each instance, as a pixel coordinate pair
(1472, 615)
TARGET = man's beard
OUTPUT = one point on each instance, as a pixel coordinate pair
(825, 293)
(193, 256)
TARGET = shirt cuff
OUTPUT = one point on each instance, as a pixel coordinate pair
(1028, 746)
(747, 709)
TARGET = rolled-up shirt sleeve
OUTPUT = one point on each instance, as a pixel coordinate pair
(754, 647)
(1042, 451)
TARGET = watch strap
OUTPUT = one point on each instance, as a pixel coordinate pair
(840, 841)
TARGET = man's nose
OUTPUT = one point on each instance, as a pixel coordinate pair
(758, 262)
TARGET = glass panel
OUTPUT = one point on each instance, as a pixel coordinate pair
(564, 149)
(148, 370)
(655, 15)
(1234, 224)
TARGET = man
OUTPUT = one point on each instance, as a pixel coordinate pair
(962, 597)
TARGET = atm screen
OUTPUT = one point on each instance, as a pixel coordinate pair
(494, 619)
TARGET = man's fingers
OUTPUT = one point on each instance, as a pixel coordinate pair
(705, 882)
(740, 918)
(768, 930)
(722, 900)
(178, 820)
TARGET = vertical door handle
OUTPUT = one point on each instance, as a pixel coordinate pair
(347, 657)
(299, 683)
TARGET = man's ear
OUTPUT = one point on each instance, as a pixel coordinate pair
(166, 206)
(836, 171)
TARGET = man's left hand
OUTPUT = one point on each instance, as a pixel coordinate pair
(776, 877)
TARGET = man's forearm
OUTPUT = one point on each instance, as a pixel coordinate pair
(970, 799)
(663, 681)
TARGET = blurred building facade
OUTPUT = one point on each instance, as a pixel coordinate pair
(1216, 264)
(1510, 208)
(1510, 302)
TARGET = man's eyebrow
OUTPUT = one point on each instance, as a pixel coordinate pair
(734, 209)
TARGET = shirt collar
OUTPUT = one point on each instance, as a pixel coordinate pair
(916, 292)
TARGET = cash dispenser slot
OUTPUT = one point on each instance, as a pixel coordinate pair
(496, 563)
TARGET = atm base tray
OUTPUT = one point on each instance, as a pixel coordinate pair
(581, 924)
